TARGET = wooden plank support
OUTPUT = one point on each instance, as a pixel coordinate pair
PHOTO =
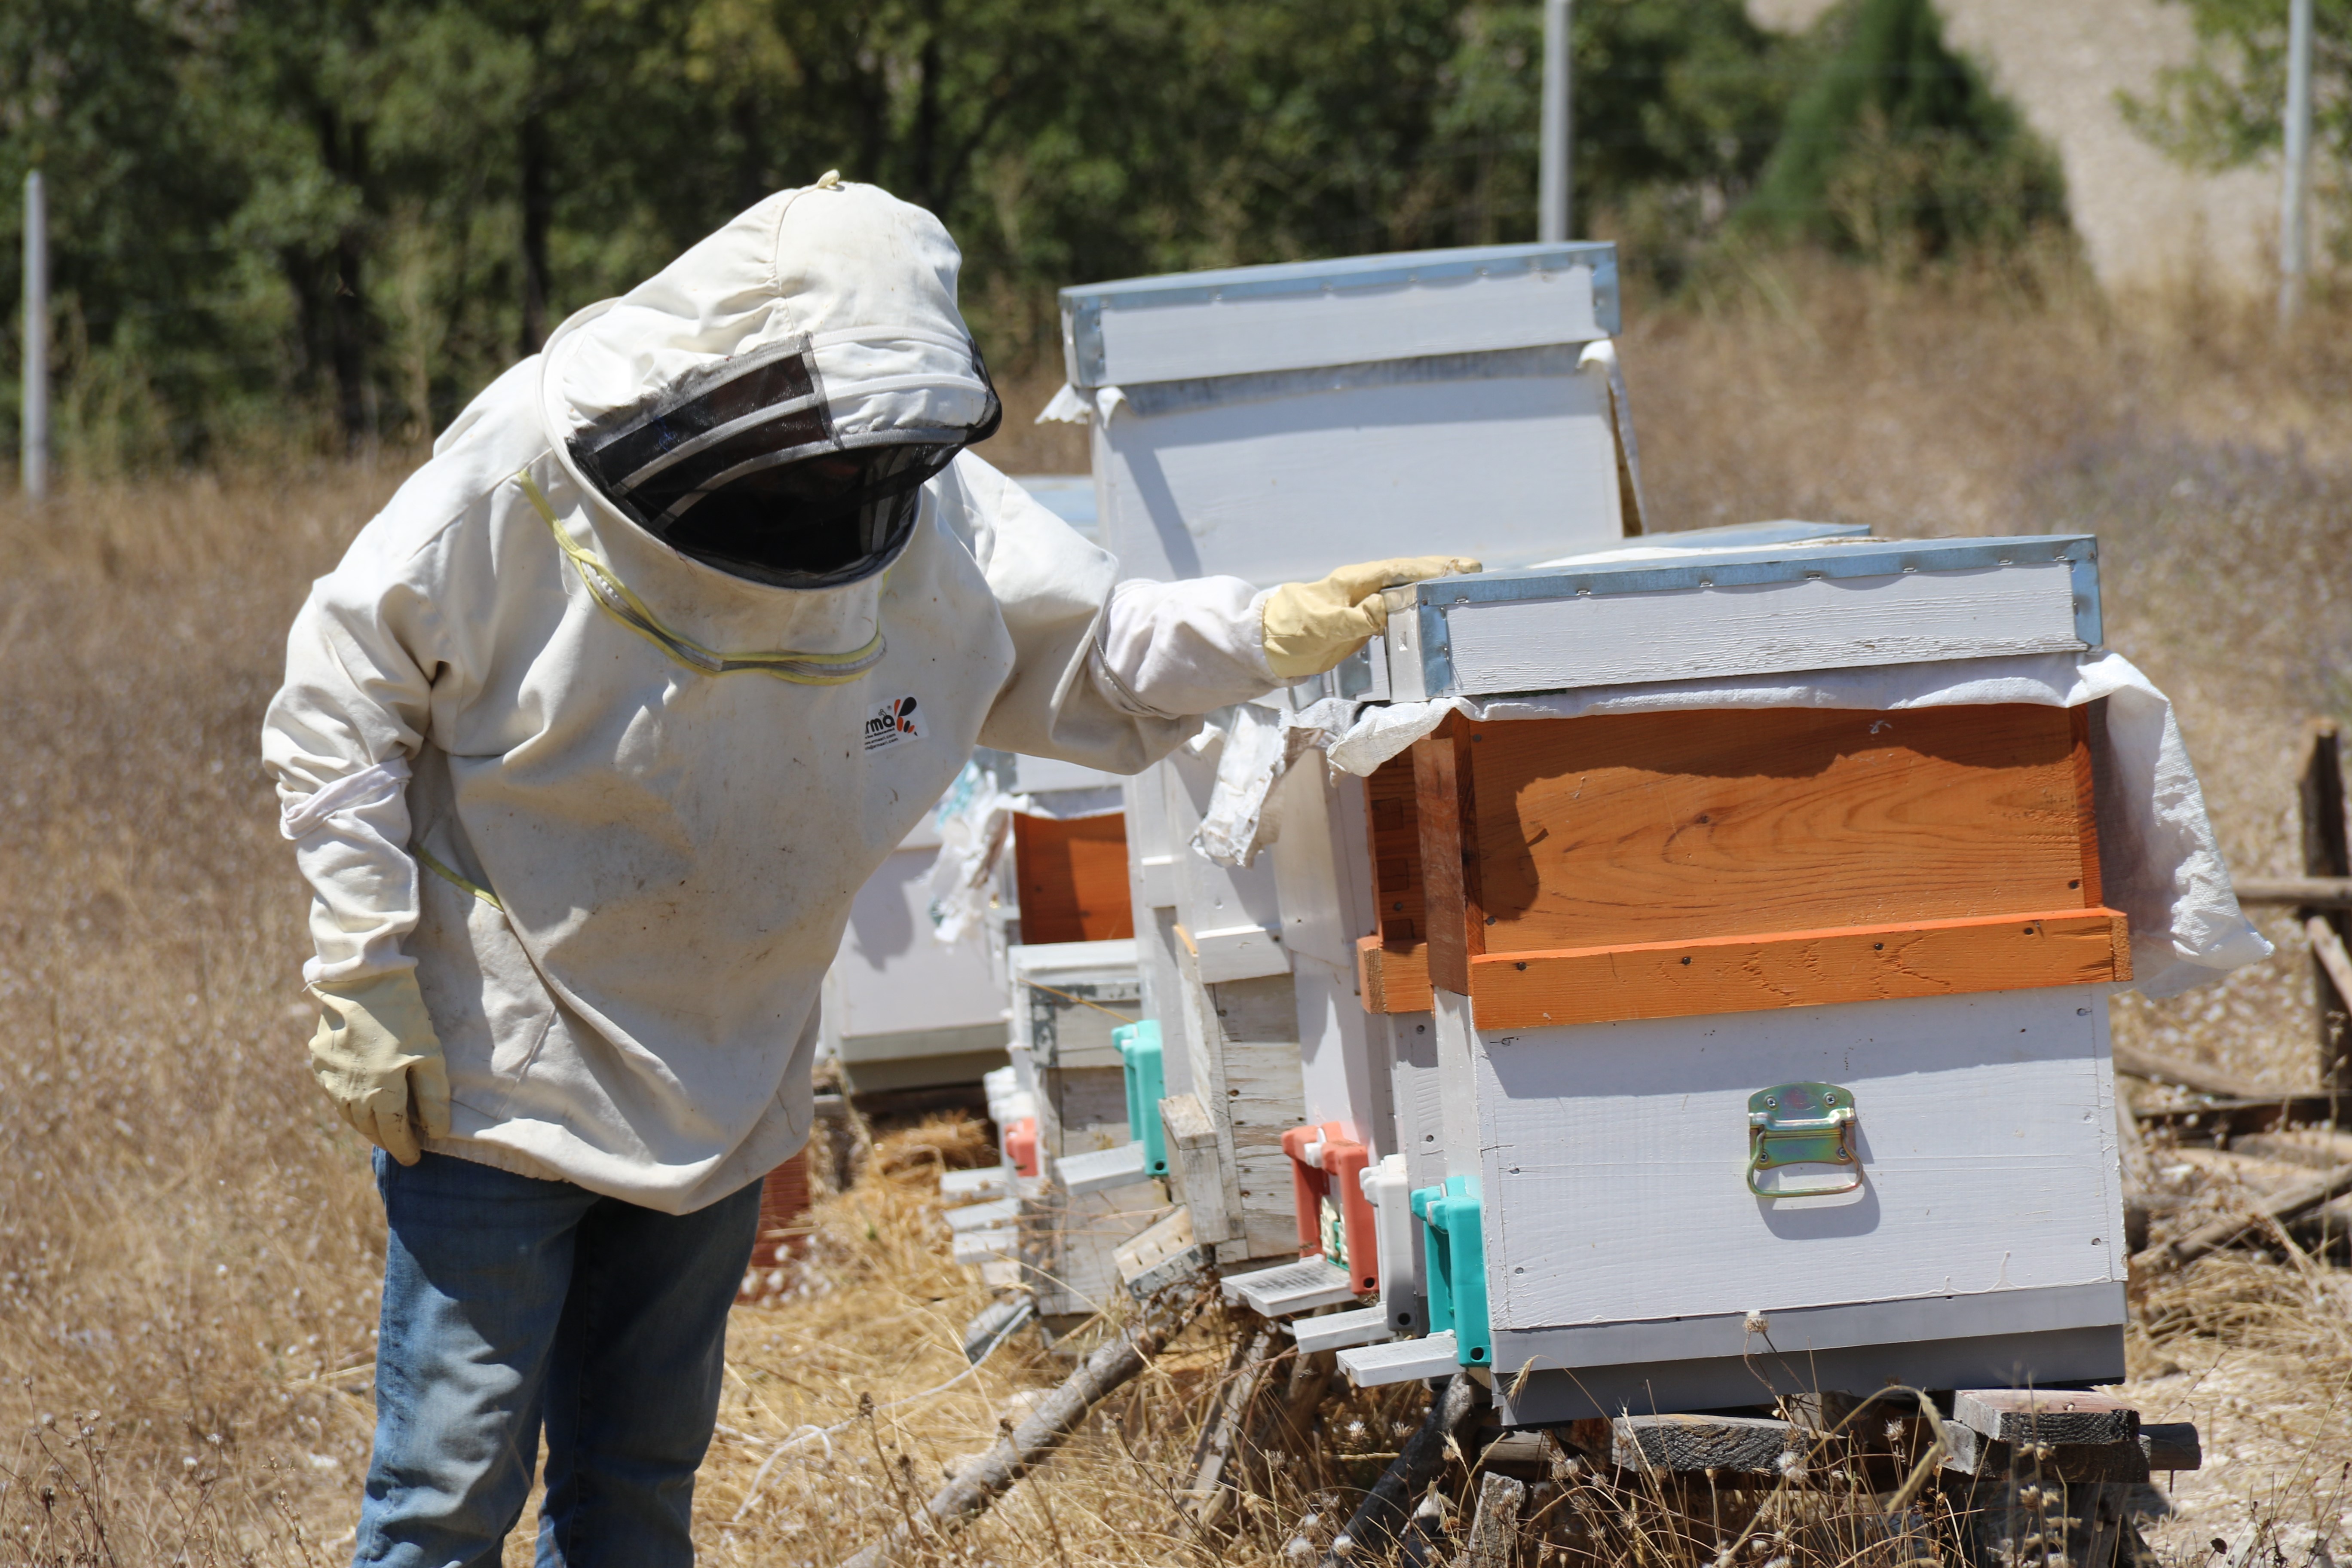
(2327, 852)
(1799, 969)
(1392, 979)
(1196, 1170)
(2045, 1415)
(1752, 1445)
(2163, 1448)
(1495, 1527)
(2172, 1446)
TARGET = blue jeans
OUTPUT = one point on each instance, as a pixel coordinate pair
(511, 1304)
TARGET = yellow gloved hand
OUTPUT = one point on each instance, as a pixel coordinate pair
(377, 1056)
(1311, 626)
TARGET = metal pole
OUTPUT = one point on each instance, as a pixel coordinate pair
(37, 339)
(2294, 232)
(1554, 186)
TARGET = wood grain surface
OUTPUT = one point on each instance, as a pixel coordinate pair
(1445, 800)
(1391, 979)
(1625, 829)
(1073, 876)
(1798, 969)
(1395, 830)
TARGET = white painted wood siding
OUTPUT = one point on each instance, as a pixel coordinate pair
(1511, 471)
(1514, 308)
(1612, 1159)
(1549, 644)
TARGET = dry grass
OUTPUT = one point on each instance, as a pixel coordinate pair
(188, 1246)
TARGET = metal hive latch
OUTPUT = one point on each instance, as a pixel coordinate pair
(1801, 1124)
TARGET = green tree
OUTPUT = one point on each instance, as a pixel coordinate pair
(1898, 148)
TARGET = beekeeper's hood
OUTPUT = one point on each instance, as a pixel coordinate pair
(771, 402)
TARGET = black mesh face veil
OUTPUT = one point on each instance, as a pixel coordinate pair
(740, 467)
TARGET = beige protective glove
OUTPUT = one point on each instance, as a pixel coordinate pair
(377, 1056)
(1311, 626)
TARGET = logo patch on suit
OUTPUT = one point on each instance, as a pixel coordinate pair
(892, 722)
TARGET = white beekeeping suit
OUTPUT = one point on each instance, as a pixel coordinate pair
(606, 778)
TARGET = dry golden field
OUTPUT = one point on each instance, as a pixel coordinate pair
(189, 1243)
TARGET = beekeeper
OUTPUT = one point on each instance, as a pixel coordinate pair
(585, 748)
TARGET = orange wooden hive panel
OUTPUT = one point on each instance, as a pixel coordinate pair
(1600, 868)
(1073, 878)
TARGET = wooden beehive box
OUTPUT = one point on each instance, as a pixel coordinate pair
(1642, 930)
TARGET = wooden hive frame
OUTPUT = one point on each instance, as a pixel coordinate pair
(1671, 864)
(1393, 964)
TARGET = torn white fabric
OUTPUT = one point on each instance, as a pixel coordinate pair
(1068, 406)
(1234, 827)
(975, 826)
(2161, 863)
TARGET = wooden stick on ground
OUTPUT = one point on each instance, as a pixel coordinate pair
(2284, 1205)
(2192, 1075)
(1375, 1524)
(1204, 1500)
(2328, 948)
(978, 1485)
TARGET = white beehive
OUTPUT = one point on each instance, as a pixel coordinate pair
(1769, 1047)
(1273, 422)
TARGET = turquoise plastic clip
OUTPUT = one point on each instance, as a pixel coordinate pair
(1456, 1259)
(1138, 1051)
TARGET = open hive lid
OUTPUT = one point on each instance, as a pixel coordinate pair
(1305, 315)
(1650, 611)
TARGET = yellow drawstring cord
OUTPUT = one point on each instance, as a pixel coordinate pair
(424, 859)
(614, 597)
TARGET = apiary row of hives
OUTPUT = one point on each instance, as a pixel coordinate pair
(1665, 970)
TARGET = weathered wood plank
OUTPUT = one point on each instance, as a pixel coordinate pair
(1748, 1443)
(2172, 1446)
(1392, 979)
(1394, 823)
(1196, 1169)
(1450, 874)
(1799, 969)
(1073, 878)
(2045, 1415)
(1628, 829)
(2086, 799)
(1495, 1527)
